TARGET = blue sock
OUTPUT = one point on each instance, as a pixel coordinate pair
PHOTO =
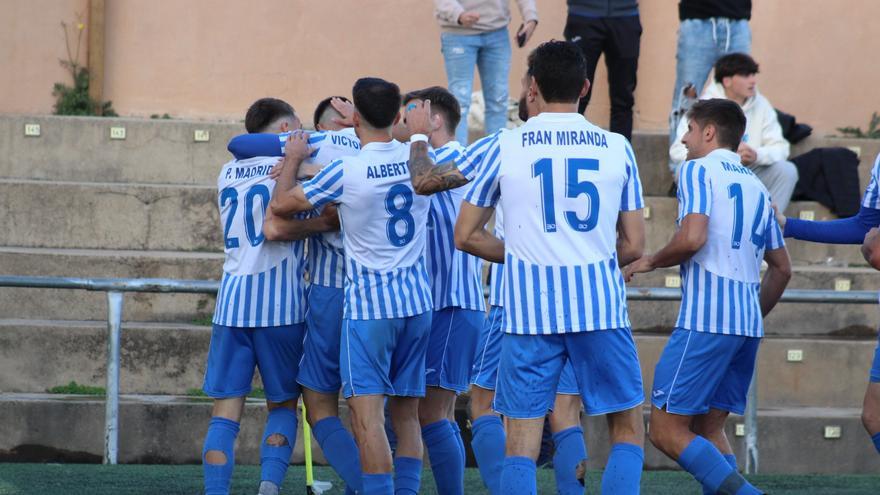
(221, 437)
(488, 442)
(876, 440)
(570, 451)
(623, 471)
(711, 469)
(518, 476)
(445, 456)
(407, 475)
(377, 484)
(340, 450)
(461, 448)
(731, 459)
(274, 460)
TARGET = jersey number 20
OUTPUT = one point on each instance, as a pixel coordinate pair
(230, 195)
(543, 170)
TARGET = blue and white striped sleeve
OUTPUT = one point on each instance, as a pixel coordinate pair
(316, 140)
(773, 234)
(694, 190)
(872, 192)
(469, 161)
(326, 186)
(486, 191)
(631, 198)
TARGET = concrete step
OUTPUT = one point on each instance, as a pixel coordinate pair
(170, 359)
(80, 149)
(786, 319)
(109, 216)
(168, 429)
(660, 226)
(100, 263)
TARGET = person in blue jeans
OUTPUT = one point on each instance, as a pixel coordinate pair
(709, 29)
(474, 33)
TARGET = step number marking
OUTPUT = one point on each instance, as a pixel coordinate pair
(117, 133)
(832, 432)
(201, 135)
(673, 281)
(795, 355)
(842, 284)
(808, 215)
(740, 430)
(647, 212)
(32, 130)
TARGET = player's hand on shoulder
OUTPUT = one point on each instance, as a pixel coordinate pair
(642, 265)
(345, 109)
(275, 173)
(297, 146)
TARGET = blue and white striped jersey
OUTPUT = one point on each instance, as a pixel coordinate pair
(562, 183)
(326, 261)
(262, 283)
(872, 192)
(455, 275)
(383, 225)
(721, 282)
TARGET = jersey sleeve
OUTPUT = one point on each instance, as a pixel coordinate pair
(316, 140)
(694, 190)
(486, 191)
(326, 186)
(631, 197)
(471, 158)
(773, 234)
(263, 144)
(872, 192)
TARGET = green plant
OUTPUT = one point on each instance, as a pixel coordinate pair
(164, 116)
(873, 131)
(75, 100)
(74, 388)
(256, 393)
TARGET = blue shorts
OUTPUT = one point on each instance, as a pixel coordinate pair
(605, 366)
(875, 366)
(699, 370)
(451, 347)
(235, 351)
(484, 372)
(384, 357)
(319, 368)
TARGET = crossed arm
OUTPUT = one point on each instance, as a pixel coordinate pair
(472, 237)
(288, 197)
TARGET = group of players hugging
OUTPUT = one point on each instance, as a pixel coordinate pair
(354, 262)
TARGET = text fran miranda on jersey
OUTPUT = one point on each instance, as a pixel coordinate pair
(564, 138)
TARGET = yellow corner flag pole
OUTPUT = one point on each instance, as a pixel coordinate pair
(307, 448)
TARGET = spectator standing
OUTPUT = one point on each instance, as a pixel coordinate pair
(474, 33)
(709, 29)
(763, 148)
(611, 27)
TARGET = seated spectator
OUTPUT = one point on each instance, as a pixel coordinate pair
(763, 149)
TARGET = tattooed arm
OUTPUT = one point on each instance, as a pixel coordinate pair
(428, 178)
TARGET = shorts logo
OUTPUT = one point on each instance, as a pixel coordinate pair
(659, 393)
(428, 371)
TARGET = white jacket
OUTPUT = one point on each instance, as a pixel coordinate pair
(763, 132)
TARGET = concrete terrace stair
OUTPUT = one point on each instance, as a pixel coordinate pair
(170, 429)
(100, 263)
(165, 358)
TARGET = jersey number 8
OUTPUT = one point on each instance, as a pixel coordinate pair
(400, 213)
(230, 195)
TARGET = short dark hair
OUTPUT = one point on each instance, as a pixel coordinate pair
(323, 106)
(560, 70)
(727, 117)
(377, 100)
(735, 64)
(442, 102)
(265, 112)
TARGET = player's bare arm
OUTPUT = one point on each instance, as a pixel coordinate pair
(871, 248)
(775, 279)
(276, 228)
(289, 197)
(427, 177)
(630, 236)
(689, 238)
(472, 237)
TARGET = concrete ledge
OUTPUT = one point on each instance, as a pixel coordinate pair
(170, 359)
(90, 263)
(163, 429)
(109, 216)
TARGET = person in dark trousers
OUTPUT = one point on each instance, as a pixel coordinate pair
(611, 27)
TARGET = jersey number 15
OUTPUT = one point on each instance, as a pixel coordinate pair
(543, 170)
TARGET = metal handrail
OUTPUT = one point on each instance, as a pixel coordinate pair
(115, 287)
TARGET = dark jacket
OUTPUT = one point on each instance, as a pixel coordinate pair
(705, 9)
(603, 8)
(831, 177)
